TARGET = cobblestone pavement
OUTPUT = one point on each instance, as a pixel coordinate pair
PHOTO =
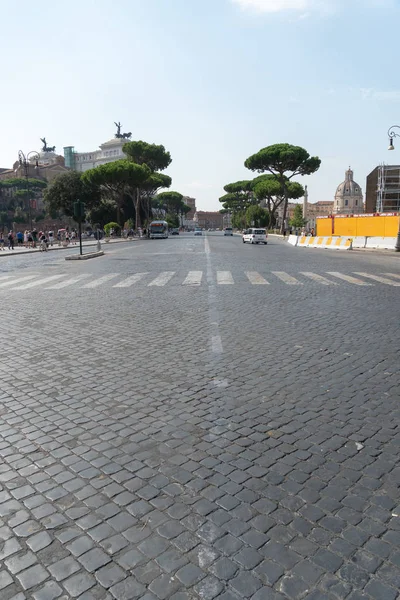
(201, 441)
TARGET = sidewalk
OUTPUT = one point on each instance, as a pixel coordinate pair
(85, 244)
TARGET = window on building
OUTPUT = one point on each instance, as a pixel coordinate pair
(346, 202)
(356, 202)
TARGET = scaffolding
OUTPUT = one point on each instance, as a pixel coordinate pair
(388, 191)
(69, 156)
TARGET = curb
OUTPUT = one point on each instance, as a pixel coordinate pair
(35, 250)
(84, 256)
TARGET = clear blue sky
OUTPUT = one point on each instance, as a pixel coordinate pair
(212, 80)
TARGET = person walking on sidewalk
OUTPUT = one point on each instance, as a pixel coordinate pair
(1, 241)
(10, 238)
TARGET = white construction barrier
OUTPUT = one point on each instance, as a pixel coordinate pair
(385, 243)
(293, 239)
(359, 242)
(337, 243)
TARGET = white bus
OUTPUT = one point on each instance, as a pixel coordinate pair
(158, 229)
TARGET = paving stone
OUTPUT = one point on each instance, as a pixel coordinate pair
(94, 559)
(245, 584)
(228, 545)
(153, 546)
(171, 560)
(80, 545)
(189, 574)
(164, 587)
(170, 529)
(130, 559)
(38, 541)
(380, 591)
(49, 591)
(64, 568)
(269, 572)
(110, 575)
(208, 588)
(5, 580)
(292, 587)
(248, 558)
(32, 576)
(78, 584)
(327, 560)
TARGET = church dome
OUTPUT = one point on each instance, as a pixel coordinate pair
(349, 187)
(348, 196)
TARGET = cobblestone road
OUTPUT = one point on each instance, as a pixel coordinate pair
(201, 441)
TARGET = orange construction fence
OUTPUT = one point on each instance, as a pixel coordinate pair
(376, 225)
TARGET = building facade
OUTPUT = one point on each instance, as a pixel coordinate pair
(382, 192)
(188, 219)
(208, 219)
(348, 196)
(83, 161)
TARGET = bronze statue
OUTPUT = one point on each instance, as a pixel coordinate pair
(126, 136)
(118, 125)
(47, 148)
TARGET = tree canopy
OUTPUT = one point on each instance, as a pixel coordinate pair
(154, 156)
(21, 183)
(284, 162)
(297, 219)
(116, 179)
(269, 190)
(239, 196)
(66, 189)
(256, 216)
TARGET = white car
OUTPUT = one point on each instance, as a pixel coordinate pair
(255, 236)
(228, 231)
(198, 232)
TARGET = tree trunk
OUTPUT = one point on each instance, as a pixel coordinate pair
(137, 215)
(285, 205)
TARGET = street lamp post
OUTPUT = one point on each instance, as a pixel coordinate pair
(391, 135)
(24, 163)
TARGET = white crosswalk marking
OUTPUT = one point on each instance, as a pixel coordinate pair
(318, 278)
(8, 283)
(393, 275)
(224, 278)
(162, 279)
(193, 278)
(100, 281)
(348, 278)
(255, 278)
(380, 279)
(130, 280)
(67, 282)
(37, 282)
(288, 279)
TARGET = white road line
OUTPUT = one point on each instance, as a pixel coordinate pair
(224, 278)
(393, 275)
(193, 278)
(37, 282)
(18, 280)
(162, 279)
(318, 278)
(130, 280)
(67, 282)
(2, 277)
(348, 278)
(255, 278)
(216, 344)
(380, 279)
(100, 281)
(288, 279)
